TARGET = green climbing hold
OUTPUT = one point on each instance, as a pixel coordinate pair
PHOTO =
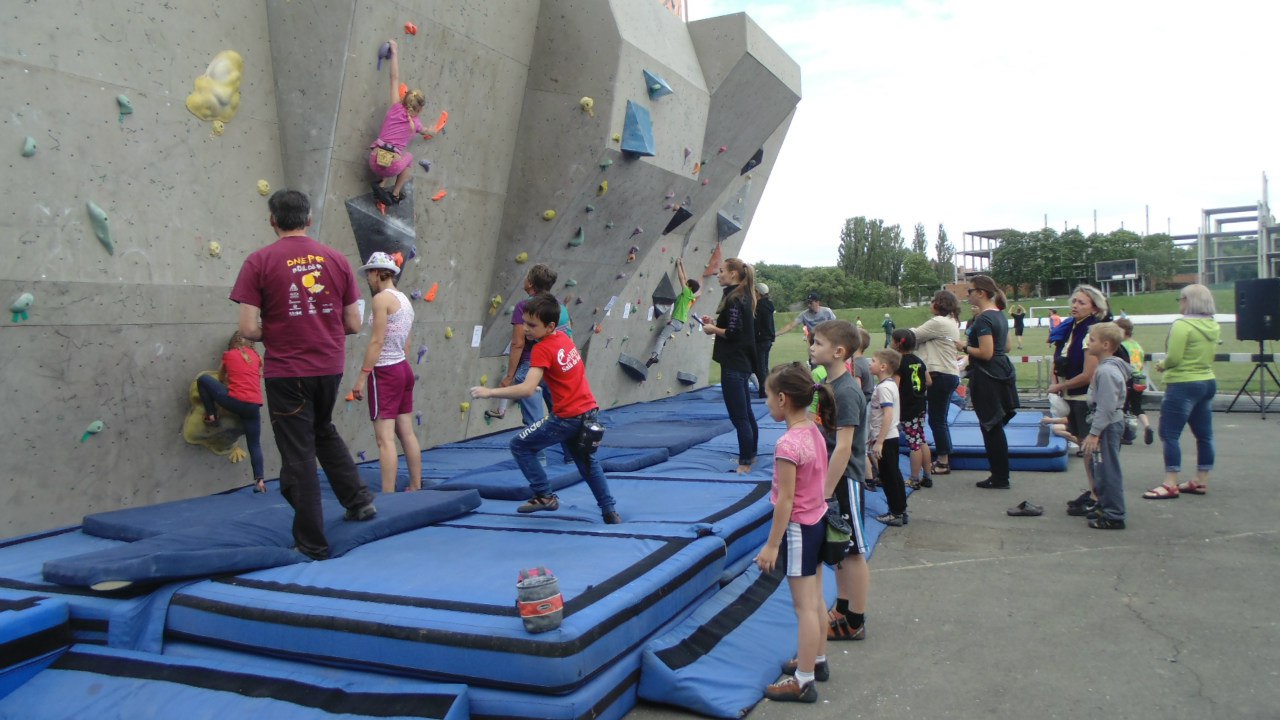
(605, 163)
(609, 225)
(591, 208)
(100, 227)
(28, 147)
(570, 283)
(578, 238)
(94, 428)
(21, 305)
(126, 107)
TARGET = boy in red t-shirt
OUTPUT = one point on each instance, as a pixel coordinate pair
(556, 359)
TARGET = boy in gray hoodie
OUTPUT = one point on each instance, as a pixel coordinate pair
(1102, 446)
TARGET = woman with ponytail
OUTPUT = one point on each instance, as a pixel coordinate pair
(735, 348)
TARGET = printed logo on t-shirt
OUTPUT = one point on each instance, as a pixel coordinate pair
(568, 358)
(309, 269)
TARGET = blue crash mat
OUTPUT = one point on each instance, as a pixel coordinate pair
(718, 662)
(737, 513)
(257, 539)
(89, 682)
(1032, 447)
(33, 632)
(504, 481)
(453, 617)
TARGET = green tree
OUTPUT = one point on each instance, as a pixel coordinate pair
(920, 241)
(946, 256)
(919, 279)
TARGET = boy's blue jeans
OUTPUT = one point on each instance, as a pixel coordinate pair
(549, 431)
(531, 408)
(1188, 403)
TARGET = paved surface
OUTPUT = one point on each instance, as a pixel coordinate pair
(977, 614)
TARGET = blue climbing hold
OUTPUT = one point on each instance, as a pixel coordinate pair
(637, 131)
(656, 85)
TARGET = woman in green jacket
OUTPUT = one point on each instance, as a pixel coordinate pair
(1188, 393)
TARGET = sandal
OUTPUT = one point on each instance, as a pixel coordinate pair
(941, 468)
(1161, 492)
(1191, 487)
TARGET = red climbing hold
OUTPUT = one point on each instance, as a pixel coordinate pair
(410, 29)
(439, 196)
(431, 294)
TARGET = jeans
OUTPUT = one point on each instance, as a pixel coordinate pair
(672, 327)
(1188, 403)
(762, 362)
(531, 408)
(737, 400)
(214, 393)
(939, 398)
(302, 419)
(997, 445)
(1108, 482)
(546, 432)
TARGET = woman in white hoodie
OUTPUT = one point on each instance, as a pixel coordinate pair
(936, 342)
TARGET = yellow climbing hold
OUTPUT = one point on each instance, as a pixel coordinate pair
(522, 258)
(448, 333)
(548, 214)
(217, 91)
(603, 188)
(617, 137)
(588, 106)
(237, 454)
(484, 379)
(218, 128)
(264, 188)
(215, 249)
(495, 302)
(464, 407)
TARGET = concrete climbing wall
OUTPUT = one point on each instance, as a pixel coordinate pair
(118, 336)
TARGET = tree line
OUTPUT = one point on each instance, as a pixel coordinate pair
(1048, 262)
(875, 267)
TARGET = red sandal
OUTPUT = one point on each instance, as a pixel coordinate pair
(1191, 487)
(1161, 492)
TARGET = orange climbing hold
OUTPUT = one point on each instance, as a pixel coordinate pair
(431, 294)
(410, 29)
(440, 122)
(713, 265)
(404, 90)
(439, 196)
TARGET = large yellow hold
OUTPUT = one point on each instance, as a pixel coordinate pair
(217, 93)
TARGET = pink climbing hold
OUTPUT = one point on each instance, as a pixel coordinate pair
(635, 232)
(723, 149)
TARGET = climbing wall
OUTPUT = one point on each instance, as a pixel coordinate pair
(141, 152)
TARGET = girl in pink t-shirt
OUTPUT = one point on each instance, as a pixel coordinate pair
(398, 128)
(798, 528)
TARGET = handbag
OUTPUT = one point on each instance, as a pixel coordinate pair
(839, 533)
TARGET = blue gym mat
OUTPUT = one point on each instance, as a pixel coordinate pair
(33, 632)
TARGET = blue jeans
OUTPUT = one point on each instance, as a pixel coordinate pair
(1188, 403)
(737, 400)
(214, 393)
(549, 431)
(939, 398)
(531, 408)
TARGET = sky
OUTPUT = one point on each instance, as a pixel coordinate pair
(988, 114)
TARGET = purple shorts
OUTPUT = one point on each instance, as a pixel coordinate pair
(391, 391)
(402, 161)
(913, 431)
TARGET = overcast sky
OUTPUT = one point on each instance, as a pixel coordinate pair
(983, 114)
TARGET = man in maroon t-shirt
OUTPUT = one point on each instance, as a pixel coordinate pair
(299, 298)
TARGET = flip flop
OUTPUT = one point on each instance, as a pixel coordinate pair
(1161, 492)
(1025, 509)
(1191, 487)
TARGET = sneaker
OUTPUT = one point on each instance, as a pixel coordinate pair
(611, 517)
(361, 513)
(380, 194)
(653, 360)
(993, 484)
(821, 672)
(838, 627)
(1148, 436)
(1082, 510)
(1085, 498)
(789, 690)
(1094, 514)
(540, 502)
(913, 483)
(1103, 523)
(926, 482)
(893, 520)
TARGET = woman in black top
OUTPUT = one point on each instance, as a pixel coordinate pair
(992, 383)
(734, 328)
(1019, 315)
(765, 333)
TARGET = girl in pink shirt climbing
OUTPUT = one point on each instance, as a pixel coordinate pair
(389, 155)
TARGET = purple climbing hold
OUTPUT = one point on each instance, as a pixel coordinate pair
(418, 416)
(635, 232)
(426, 165)
(619, 276)
(384, 53)
(422, 352)
(361, 455)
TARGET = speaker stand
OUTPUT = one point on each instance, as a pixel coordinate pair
(1262, 369)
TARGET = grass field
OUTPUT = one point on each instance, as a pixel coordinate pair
(1231, 376)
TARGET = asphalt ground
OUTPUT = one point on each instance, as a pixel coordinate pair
(975, 614)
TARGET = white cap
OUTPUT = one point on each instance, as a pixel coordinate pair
(762, 288)
(381, 261)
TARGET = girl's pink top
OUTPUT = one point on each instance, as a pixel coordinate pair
(398, 127)
(804, 447)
